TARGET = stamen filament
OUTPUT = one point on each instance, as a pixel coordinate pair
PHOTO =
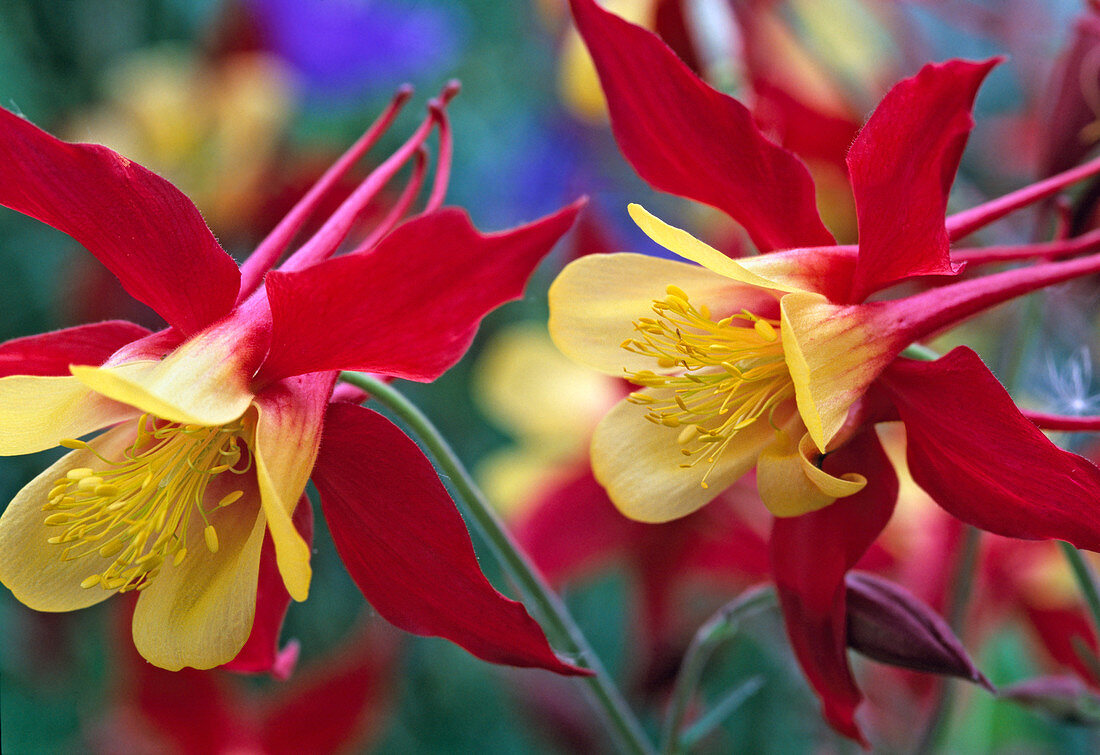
(732, 373)
(136, 512)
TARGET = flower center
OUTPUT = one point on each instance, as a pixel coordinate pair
(731, 373)
(136, 511)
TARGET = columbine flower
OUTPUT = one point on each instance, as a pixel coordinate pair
(779, 363)
(214, 424)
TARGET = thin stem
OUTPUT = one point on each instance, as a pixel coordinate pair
(1086, 580)
(717, 629)
(956, 616)
(556, 618)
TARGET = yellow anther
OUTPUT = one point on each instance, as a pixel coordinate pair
(765, 330)
(91, 581)
(111, 548)
(76, 445)
(89, 483)
(211, 537)
(230, 498)
(687, 435)
(720, 377)
(136, 511)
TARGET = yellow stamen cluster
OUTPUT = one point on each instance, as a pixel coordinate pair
(136, 511)
(729, 373)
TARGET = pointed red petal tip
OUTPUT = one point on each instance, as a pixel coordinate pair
(406, 546)
(810, 555)
(971, 449)
(141, 227)
(902, 165)
(686, 138)
(891, 625)
(411, 307)
(52, 353)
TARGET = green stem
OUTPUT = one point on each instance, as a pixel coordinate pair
(1086, 580)
(556, 618)
(717, 629)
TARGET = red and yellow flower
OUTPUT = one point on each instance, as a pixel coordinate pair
(213, 425)
(779, 362)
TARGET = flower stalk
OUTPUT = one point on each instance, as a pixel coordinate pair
(556, 618)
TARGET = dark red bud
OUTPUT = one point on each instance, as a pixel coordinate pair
(889, 624)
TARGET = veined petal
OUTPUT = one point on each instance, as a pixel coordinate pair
(199, 613)
(408, 308)
(205, 381)
(971, 449)
(52, 353)
(31, 567)
(790, 484)
(137, 224)
(902, 166)
(406, 547)
(684, 137)
(810, 556)
(39, 412)
(287, 436)
(639, 463)
(834, 353)
(595, 300)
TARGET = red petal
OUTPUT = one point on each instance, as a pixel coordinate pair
(137, 224)
(671, 24)
(410, 307)
(972, 450)
(684, 137)
(329, 707)
(805, 129)
(1062, 630)
(52, 353)
(810, 556)
(261, 653)
(406, 546)
(902, 166)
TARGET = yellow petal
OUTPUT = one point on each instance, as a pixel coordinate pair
(205, 381)
(38, 412)
(596, 299)
(30, 566)
(199, 612)
(638, 463)
(780, 273)
(791, 484)
(834, 353)
(287, 437)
